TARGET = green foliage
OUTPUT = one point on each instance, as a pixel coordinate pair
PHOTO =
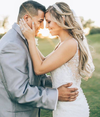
(4, 22)
(86, 24)
(1, 35)
(95, 31)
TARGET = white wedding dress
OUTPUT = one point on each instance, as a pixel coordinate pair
(67, 73)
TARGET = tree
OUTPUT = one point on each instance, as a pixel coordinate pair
(95, 30)
(86, 24)
(4, 23)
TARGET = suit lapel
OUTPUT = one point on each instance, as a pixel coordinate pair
(30, 67)
(17, 29)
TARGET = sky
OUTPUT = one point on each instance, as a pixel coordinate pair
(89, 9)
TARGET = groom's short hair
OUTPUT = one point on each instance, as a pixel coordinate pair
(30, 8)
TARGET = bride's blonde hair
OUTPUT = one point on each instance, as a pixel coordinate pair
(61, 10)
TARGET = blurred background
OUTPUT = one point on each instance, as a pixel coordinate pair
(88, 12)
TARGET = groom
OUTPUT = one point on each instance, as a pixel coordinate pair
(22, 92)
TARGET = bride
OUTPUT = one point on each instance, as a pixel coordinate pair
(69, 62)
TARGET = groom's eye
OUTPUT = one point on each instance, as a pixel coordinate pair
(49, 22)
(40, 21)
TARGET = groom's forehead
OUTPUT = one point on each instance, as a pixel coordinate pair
(40, 15)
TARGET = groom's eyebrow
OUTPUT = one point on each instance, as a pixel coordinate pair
(41, 19)
(47, 20)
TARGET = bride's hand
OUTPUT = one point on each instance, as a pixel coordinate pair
(28, 33)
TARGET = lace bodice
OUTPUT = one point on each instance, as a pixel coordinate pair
(68, 72)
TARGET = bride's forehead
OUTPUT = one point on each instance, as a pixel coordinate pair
(47, 15)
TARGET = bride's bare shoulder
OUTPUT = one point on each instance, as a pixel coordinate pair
(70, 44)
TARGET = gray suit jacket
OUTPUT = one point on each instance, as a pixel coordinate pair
(21, 94)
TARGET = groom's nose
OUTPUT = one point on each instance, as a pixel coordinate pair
(46, 25)
(42, 25)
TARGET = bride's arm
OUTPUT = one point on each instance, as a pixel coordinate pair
(60, 56)
(57, 58)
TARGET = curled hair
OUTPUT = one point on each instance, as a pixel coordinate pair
(74, 30)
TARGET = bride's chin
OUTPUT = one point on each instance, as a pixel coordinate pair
(52, 34)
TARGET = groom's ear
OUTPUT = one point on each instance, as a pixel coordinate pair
(28, 20)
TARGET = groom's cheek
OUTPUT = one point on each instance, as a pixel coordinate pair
(29, 23)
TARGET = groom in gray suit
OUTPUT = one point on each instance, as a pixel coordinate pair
(22, 92)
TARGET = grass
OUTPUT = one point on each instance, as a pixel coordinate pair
(91, 87)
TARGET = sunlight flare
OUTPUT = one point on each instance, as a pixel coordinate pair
(45, 33)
